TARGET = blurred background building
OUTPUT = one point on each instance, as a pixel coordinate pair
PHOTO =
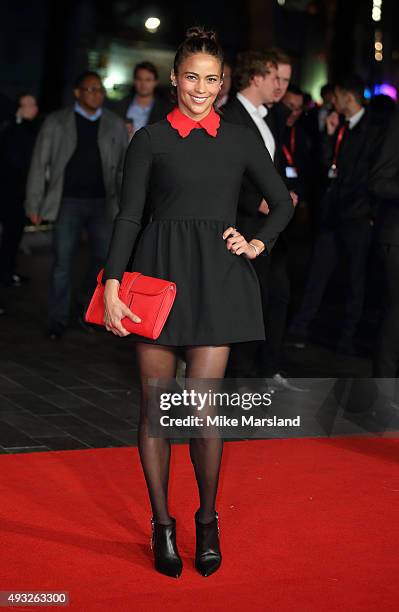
(43, 44)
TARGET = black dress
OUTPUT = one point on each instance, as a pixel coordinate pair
(192, 185)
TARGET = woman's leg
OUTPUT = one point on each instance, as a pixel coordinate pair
(154, 361)
(206, 453)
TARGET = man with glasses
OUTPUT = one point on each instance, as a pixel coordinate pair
(74, 181)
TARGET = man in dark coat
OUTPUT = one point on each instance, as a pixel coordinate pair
(256, 82)
(385, 185)
(349, 153)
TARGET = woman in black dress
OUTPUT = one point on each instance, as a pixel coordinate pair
(188, 168)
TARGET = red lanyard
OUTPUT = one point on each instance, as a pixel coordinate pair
(289, 153)
(338, 142)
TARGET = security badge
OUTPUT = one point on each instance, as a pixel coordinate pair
(291, 172)
(290, 169)
(333, 172)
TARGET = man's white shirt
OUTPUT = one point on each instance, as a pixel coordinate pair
(354, 120)
(258, 114)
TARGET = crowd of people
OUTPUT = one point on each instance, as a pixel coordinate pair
(338, 159)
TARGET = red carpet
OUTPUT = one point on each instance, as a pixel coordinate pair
(315, 520)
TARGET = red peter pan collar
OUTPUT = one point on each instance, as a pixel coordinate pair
(184, 124)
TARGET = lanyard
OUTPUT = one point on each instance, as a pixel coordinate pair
(338, 142)
(289, 153)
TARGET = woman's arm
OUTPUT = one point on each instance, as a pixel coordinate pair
(263, 173)
(136, 173)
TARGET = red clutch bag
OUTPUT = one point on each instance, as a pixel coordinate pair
(149, 298)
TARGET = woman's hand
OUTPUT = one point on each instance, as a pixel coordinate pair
(237, 244)
(115, 310)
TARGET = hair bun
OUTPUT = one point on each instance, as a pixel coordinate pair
(200, 32)
(198, 40)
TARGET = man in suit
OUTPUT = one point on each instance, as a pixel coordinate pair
(348, 153)
(298, 170)
(264, 358)
(314, 120)
(279, 286)
(74, 180)
(223, 95)
(256, 82)
(277, 111)
(384, 184)
(143, 106)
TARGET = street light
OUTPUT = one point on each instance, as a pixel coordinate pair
(377, 10)
(152, 24)
(114, 77)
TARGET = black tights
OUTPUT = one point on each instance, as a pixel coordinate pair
(157, 361)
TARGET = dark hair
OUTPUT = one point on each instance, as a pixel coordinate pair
(146, 66)
(198, 40)
(328, 88)
(307, 98)
(80, 79)
(382, 104)
(250, 64)
(352, 84)
(294, 89)
(281, 56)
(24, 94)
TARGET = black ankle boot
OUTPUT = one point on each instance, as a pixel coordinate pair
(208, 557)
(163, 543)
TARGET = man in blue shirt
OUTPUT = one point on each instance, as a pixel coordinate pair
(143, 106)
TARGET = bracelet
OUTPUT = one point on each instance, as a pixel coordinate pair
(256, 249)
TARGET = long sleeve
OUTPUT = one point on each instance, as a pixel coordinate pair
(123, 141)
(384, 179)
(262, 172)
(136, 173)
(39, 169)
